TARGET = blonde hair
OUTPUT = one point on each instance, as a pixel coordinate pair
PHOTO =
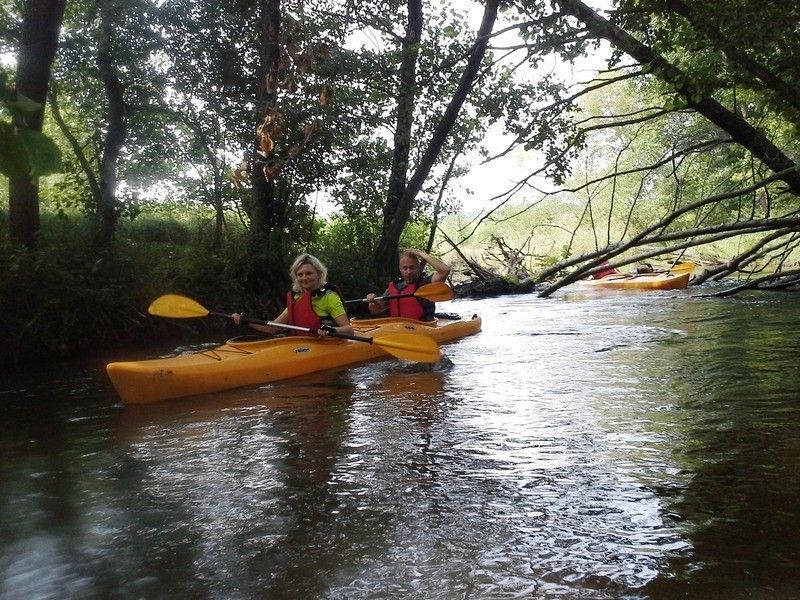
(307, 259)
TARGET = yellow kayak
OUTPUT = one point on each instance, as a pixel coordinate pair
(646, 281)
(238, 364)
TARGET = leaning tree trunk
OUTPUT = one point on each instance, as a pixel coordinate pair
(386, 253)
(742, 132)
(40, 26)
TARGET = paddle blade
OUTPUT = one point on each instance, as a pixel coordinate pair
(177, 307)
(684, 267)
(438, 291)
(410, 346)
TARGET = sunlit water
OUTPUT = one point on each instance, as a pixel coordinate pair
(589, 446)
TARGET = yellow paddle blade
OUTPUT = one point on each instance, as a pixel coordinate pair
(438, 291)
(177, 307)
(684, 267)
(410, 346)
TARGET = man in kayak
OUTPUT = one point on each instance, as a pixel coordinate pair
(311, 303)
(411, 278)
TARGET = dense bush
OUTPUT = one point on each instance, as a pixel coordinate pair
(68, 297)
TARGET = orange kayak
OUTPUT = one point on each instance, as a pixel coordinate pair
(645, 281)
(237, 364)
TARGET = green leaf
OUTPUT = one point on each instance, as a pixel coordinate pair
(41, 151)
(13, 158)
(24, 104)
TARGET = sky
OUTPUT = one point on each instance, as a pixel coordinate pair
(489, 179)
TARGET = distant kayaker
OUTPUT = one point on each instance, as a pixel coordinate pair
(312, 302)
(606, 272)
(411, 278)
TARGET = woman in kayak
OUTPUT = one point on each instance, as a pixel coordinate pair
(411, 278)
(311, 302)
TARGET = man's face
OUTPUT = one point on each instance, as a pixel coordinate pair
(409, 269)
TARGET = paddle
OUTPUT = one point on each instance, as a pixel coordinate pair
(684, 267)
(409, 346)
(437, 291)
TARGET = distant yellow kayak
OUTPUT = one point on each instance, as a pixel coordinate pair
(238, 364)
(645, 281)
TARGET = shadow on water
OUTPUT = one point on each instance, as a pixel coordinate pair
(739, 418)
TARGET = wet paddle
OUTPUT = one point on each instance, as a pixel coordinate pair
(437, 291)
(684, 267)
(408, 346)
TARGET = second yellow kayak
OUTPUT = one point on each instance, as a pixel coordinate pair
(648, 281)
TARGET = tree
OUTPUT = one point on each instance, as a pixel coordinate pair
(398, 209)
(692, 58)
(40, 27)
(105, 102)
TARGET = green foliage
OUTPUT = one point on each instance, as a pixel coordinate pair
(66, 298)
(23, 151)
(345, 246)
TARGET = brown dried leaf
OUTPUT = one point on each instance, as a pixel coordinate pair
(265, 142)
(293, 49)
(240, 175)
(271, 84)
(277, 130)
(324, 52)
(308, 131)
(305, 64)
(325, 95)
(289, 84)
(273, 115)
(271, 172)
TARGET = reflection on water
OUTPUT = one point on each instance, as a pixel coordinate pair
(605, 446)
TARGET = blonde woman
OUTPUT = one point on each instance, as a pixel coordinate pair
(311, 303)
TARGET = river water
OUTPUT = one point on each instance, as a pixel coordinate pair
(609, 445)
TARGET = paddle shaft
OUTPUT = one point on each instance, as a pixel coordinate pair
(436, 291)
(335, 334)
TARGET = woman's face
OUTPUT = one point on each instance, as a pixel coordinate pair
(307, 277)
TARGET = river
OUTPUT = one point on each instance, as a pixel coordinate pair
(603, 445)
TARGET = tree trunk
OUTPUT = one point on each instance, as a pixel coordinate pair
(740, 130)
(264, 213)
(266, 274)
(386, 253)
(40, 27)
(405, 111)
(107, 210)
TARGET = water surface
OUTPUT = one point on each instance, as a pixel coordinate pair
(605, 445)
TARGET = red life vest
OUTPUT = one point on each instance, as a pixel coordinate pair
(606, 272)
(301, 312)
(410, 308)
